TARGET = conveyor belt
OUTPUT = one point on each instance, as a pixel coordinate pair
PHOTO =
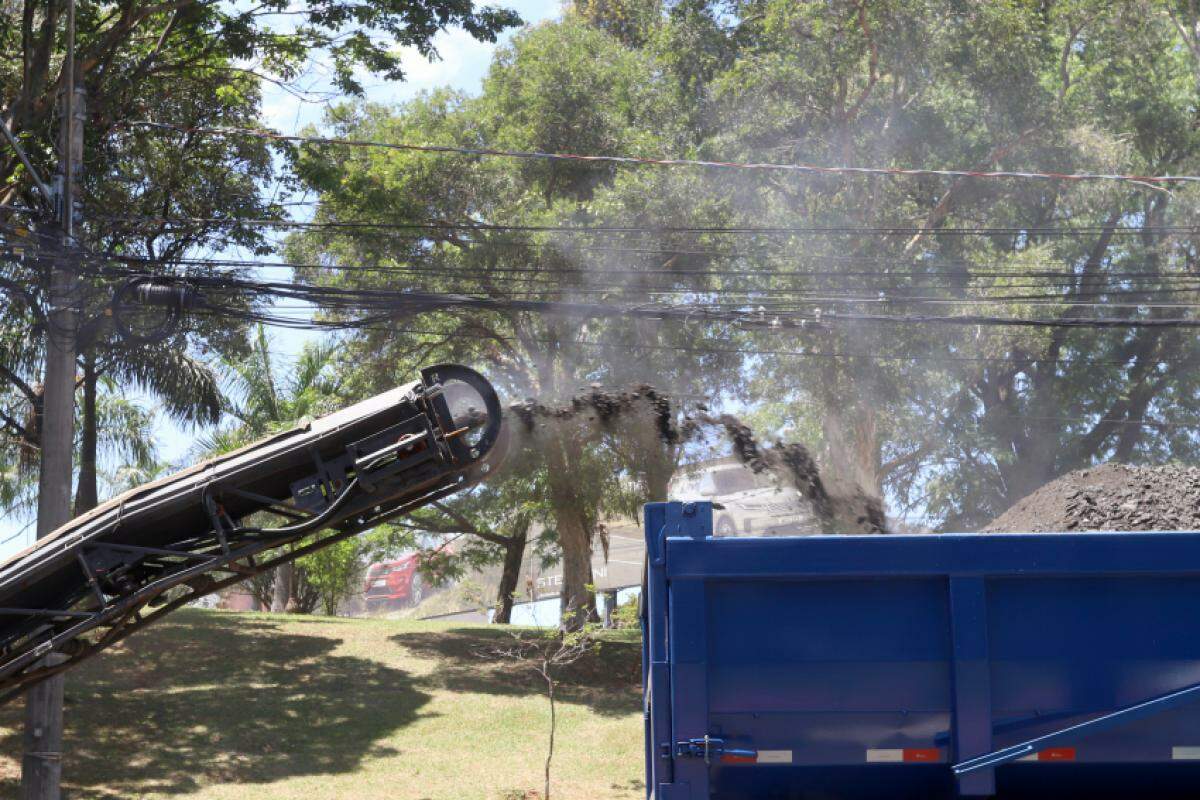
(160, 546)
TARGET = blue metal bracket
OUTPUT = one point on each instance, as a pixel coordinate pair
(656, 682)
(687, 643)
(1067, 735)
(972, 731)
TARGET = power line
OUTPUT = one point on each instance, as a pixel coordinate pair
(320, 294)
(567, 249)
(1103, 420)
(430, 266)
(758, 351)
(793, 230)
(388, 304)
(391, 302)
(806, 168)
(775, 301)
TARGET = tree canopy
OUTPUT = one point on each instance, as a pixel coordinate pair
(188, 62)
(964, 339)
(950, 423)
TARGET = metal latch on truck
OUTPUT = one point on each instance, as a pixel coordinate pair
(710, 748)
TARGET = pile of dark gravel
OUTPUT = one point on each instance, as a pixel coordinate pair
(1111, 497)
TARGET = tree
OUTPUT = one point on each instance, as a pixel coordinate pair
(186, 387)
(488, 525)
(133, 55)
(267, 400)
(1066, 88)
(948, 423)
(132, 51)
(191, 63)
(335, 573)
(562, 87)
(547, 655)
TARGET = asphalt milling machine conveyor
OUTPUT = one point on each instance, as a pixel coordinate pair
(149, 551)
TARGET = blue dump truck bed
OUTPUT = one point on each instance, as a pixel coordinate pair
(925, 666)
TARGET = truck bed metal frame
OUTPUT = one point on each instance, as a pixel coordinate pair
(687, 565)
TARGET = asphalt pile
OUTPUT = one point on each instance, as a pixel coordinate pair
(838, 510)
(1111, 497)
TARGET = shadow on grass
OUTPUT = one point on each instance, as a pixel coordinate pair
(223, 699)
(607, 680)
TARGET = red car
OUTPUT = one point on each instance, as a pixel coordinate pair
(393, 583)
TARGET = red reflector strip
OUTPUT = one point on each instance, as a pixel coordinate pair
(908, 755)
(727, 758)
(1057, 754)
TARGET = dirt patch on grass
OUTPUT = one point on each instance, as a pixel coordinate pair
(1111, 497)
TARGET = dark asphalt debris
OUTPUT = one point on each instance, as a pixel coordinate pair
(851, 511)
(1111, 497)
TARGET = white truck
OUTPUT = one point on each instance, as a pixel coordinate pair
(746, 504)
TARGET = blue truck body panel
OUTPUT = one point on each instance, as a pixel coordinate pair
(924, 666)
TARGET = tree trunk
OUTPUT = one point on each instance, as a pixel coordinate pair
(574, 537)
(514, 554)
(653, 460)
(86, 494)
(658, 476)
(282, 592)
(553, 725)
(853, 447)
(574, 598)
(593, 612)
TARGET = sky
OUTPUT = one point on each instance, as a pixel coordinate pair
(462, 65)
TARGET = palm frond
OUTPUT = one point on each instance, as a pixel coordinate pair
(188, 388)
(124, 428)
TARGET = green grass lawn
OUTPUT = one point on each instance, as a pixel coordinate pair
(217, 705)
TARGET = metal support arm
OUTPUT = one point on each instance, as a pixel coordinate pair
(1070, 734)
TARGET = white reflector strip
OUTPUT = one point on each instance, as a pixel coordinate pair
(1185, 753)
(774, 756)
(885, 756)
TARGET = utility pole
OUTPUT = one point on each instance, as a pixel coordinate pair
(41, 767)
